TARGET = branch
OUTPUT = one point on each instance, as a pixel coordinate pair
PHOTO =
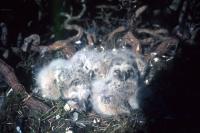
(133, 41)
(10, 78)
(64, 45)
(72, 18)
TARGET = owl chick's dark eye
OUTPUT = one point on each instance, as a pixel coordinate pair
(55, 81)
(75, 82)
(91, 74)
(106, 99)
(116, 72)
(126, 75)
(130, 72)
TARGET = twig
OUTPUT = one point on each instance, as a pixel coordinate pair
(12, 81)
(3, 33)
(155, 33)
(165, 46)
(72, 18)
(65, 45)
(119, 29)
(79, 30)
(115, 8)
(183, 12)
(91, 38)
(147, 41)
(133, 41)
(140, 10)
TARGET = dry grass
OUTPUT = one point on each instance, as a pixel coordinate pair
(58, 120)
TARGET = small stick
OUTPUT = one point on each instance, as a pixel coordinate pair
(119, 29)
(155, 33)
(166, 45)
(91, 38)
(140, 10)
(133, 41)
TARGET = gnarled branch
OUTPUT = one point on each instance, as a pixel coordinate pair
(11, 79)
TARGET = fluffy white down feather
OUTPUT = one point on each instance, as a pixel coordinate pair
(109, 80)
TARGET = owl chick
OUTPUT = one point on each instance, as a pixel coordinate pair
(106, 102)
(117, 93)
(114, 97)
(77, 87)
(92, 62)
(109, 80)
(48, 78)
(123, 79)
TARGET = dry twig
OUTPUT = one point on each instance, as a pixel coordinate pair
(65, 45)
(166, 45)
(133, 41)
(118, 30)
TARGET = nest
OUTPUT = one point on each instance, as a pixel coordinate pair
(22, 110)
